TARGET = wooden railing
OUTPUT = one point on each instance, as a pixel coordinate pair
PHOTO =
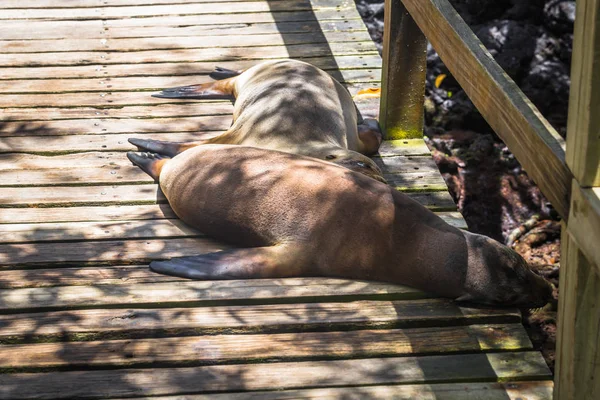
(570, 178)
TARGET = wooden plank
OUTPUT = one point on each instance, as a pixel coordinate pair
(109, 99)
(439, 369)
(201, 350)
(107, 13)
(402, 173)
(65, 144)
(17, 30)
(186, 55)
(121, 229)
(145, 83)
(47, 232)
(537, 146)
(538, 390)
(403, 74)
(131, 212)
(140, 194)
(185, 109)
(179, 42)
(81, 276)
(60, 31)
(578, 348)
(12, 4)
(105, 126)
(110, 251)
(107, 323)
(330, 63)
(192, 292)
(583, 142)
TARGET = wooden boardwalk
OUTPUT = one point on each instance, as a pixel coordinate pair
(80, 314)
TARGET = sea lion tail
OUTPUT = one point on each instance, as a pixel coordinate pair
(249, 263)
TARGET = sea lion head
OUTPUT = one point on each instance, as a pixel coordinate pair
(499, 276)
(355, 162)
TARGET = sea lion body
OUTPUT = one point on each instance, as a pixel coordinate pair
(290, 106)
(298, 216)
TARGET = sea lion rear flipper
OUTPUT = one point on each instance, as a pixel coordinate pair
(150, 163)
(224, 73)
(248, 263)
(222, 89)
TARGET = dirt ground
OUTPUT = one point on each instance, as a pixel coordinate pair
(498, 199)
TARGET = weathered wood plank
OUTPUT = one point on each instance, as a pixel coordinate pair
(145, 83)
(330, 63)
(583, 142)
(110, 99)
(10, 4)
(106, 13)
(65, 144)
(121, 229)
(107, 323)
(117, 213)
(192, 292)
(186, 55)
(179, 42)
(17, 30)
(140, 194)
(527, 133)
(539, 390)
(201, 350)
(167, 228)
(110, 251)
(105, 126)
(81, 276)
(60, 31)
(402, 173)
(439, 369)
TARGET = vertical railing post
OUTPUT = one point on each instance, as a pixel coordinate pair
(403, 74)
(577, 374)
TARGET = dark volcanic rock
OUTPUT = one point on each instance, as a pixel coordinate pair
(531, 40)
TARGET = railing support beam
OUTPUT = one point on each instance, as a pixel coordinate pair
(403, 74)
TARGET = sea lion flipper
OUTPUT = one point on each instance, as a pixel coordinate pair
(222, 89)
(256, 262)
(169, 149)
(223, 73)
(150, 163)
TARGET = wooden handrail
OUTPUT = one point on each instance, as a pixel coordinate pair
(537, 146)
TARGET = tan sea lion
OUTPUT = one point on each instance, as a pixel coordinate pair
(289, 106)
(299, 216)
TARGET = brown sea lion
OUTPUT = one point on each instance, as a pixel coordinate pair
(299, 217)
(289, 106)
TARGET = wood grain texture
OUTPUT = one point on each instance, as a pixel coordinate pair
(442, 369)
(583, 140)
(578, 348)
(453, 391)
(584, 222)
(67, 196)
(330, 63)
(192, 292)
(199, 350)
(403, 74)
(111, 323)
(537, 146)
